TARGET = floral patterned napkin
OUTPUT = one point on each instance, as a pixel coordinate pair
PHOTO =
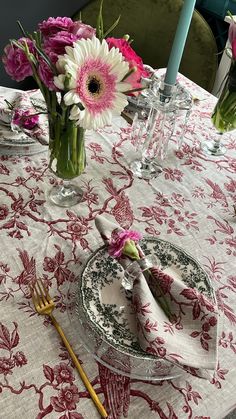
(187, 336)
(24, 113)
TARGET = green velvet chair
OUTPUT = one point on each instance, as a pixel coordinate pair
(152, 25)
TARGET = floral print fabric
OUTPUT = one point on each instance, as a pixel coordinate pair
(191, 205)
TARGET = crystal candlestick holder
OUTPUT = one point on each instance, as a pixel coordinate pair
(159, 129)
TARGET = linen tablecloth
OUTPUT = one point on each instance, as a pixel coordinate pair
(191, 204)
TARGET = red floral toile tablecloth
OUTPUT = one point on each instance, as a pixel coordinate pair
(191, 204)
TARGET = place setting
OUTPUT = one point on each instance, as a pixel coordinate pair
(145, 302)
(23, 123)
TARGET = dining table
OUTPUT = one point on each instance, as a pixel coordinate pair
(191, 204)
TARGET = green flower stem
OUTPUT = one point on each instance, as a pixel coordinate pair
(81, 151)
(224, 114)
(67, 148)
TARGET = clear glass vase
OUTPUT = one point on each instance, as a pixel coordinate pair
(224, 114)
(67, 160)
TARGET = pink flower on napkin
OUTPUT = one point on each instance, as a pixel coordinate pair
(24, 120)
(119, 239)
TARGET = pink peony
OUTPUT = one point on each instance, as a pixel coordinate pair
(46, 75)
(55, 24)
(24, 119)
(83, 31)
(133, 59)
(15, 61)
(118, 240)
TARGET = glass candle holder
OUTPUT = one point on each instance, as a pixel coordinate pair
(159, 129)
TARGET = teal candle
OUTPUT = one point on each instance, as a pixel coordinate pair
(179, 41)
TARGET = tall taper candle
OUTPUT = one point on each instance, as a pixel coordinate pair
(179, 41)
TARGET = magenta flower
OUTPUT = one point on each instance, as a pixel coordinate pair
(24, 120)
(56, 44)
(232, 32)
(119, 239)
(15, 61)
(83, 31)
(234, 48)
(132, 58)
(55, 24)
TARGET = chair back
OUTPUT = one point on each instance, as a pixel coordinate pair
(152, 25)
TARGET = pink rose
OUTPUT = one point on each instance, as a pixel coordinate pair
(55, 24)
(15, 61)
(133, 59)
(83, 31)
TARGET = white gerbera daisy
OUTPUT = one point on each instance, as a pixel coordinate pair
(96, 86)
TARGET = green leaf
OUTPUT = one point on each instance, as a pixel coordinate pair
(112, 27)
(22, 29)
(99, 25)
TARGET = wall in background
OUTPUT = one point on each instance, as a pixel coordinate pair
(30, 13)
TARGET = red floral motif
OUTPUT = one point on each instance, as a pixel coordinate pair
(66, 400)
(139, 308)
(20, 359)
(76, 229)
(23, 211)
(6, 365)
(173, 174)
(219, 375)
(4, 170)
(162, 279)
(63, 373)
(28, 274)
(3, 212)
(57, 266)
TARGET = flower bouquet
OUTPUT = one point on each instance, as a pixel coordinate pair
(224, 114)
(84, 78)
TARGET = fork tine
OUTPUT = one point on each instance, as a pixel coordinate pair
(38, 296)
(38, 289)
(33, 296)
(46, 294)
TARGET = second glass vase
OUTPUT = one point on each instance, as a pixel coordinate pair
(67, 160)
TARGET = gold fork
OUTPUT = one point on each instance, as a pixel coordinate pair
(44, 305)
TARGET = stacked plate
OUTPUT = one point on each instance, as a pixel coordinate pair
(18, 144)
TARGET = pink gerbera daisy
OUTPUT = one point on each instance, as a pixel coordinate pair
(95, 74)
